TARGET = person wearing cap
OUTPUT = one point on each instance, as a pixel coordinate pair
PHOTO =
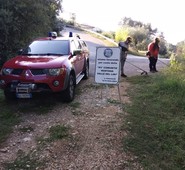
(124, 45)
(153, 52)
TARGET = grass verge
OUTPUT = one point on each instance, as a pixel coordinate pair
(156, 121)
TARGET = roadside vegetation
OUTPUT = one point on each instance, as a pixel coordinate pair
(19, 28)
(7, 119)
(155, 122)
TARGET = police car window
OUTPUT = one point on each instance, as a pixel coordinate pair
(48, 47)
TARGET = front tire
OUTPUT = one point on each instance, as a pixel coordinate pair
(69, 93)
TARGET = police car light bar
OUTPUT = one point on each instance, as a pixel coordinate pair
(52, 34)
(70, 34)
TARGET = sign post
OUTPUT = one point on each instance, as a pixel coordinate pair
(107, 66)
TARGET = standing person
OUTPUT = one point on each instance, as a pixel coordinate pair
(153, 51)
(124, 45)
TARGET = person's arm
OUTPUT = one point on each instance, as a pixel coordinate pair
(124, 47)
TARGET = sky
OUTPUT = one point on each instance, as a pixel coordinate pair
(166, 16)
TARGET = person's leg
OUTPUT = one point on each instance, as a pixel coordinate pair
(123, 67)
(122, 64)
(123, 59)
(155, 62)
(150, 63)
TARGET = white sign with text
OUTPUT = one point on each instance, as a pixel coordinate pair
(107, 68)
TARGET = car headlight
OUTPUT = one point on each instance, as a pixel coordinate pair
(7, 71)
(55, 71)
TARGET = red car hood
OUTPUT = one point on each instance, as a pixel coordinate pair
(36, 62)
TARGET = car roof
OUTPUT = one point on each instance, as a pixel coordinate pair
(57, 38)
(71, 36)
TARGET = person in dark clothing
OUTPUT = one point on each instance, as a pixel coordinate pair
(153, 52)
(124, 45)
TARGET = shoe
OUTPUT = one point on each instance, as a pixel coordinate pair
(155, 70)
(123, 75)
(152, 71)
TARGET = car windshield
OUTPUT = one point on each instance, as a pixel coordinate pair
(48, 47)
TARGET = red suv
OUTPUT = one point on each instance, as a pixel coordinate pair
(55, 64)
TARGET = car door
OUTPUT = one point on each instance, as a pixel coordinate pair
(76, 59)
(81, 56)
(85, 48)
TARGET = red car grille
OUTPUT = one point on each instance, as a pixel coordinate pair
(33, 71)
(17, 71)
(38, 71)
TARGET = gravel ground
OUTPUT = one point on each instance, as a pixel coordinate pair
(95, 140)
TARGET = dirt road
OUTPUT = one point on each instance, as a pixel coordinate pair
(95, 136)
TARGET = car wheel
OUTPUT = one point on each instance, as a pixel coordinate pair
(69, 93)
(86, 71)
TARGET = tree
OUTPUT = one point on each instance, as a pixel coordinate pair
(22, 21)
(137, 24)
(141, 38)
(73, 18)
(122, 33)
(141, 33)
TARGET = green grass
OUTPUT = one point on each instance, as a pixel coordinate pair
(58, 132)
(156, 121)
(74, 105)
(112, 101)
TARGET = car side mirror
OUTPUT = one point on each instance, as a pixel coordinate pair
(77, 52)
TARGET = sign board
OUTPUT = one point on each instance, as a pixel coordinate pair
(107, 69)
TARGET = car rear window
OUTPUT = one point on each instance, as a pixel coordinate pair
(46, 47)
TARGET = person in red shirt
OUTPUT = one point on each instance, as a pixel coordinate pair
(153, 52)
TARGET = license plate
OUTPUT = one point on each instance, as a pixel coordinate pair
(24, 95)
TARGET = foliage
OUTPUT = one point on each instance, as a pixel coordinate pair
(58, 132)
(178, 56)
(181, 49)
(141, 39)
(142, 35)
(138, 24)
(122, 33)
(21, 21)
(155, 120)
(73, 18)
(110, 35)
(163, 48)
